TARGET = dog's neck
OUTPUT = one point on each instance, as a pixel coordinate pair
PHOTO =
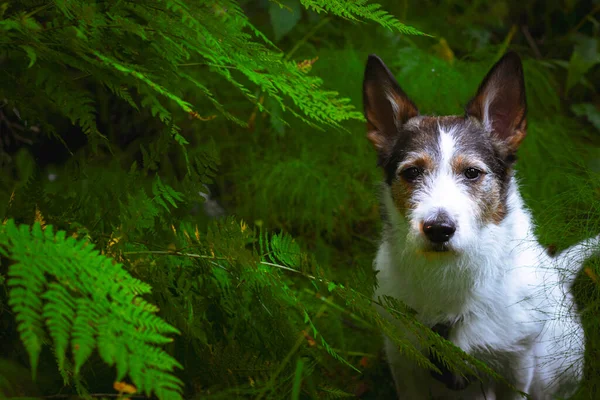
(446, 286)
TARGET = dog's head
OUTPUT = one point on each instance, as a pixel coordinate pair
(448, 177)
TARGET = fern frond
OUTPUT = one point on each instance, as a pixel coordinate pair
(360, 9)
(86, 301)
(328, 348)
(164, 194)
(335, 393)
(284, 249)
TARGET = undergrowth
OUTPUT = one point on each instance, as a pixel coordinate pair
(189, 204)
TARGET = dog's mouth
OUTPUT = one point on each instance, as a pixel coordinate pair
(438, 247)
(435, 249)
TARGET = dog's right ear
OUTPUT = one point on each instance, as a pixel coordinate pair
(386, 106)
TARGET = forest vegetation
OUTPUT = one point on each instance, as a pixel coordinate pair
(188, 201)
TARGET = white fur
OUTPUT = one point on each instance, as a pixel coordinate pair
(487, 120)
(512, 303)
(395, 106)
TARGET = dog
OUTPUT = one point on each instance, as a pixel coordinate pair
(459, 247)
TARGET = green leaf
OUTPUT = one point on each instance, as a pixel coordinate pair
(589, 111)
(297, 379)
(584, 57)
(284, 16)
(331, 286)
(31, 54)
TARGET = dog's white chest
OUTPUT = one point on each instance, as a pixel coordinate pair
(489, 310)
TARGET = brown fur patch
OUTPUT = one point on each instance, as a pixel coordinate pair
(406, 109)
(424, 161)
(498, 215)
(490, 202)
(515, 140)
(375, 137)
(401, 194)
(460, 163)
(488, 198)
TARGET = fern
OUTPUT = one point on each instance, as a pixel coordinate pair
(353, 10)
(118, 117)
(326, 346)
(85, 301)
(164, 194)
(284, 249)
(79, 33)
(333, 393)
(281, 248)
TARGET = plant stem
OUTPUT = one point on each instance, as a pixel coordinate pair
(306, 37)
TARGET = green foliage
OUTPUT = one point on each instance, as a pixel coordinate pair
(85, 301)
(184, 45)
(589, 111)
(360, 9)
(128, 128)
(585, 55)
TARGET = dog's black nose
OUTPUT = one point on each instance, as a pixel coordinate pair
(439, 229)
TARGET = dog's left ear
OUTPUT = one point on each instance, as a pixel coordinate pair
(500, 102)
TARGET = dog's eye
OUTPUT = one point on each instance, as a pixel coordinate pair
(410, 174)
(472, 173)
